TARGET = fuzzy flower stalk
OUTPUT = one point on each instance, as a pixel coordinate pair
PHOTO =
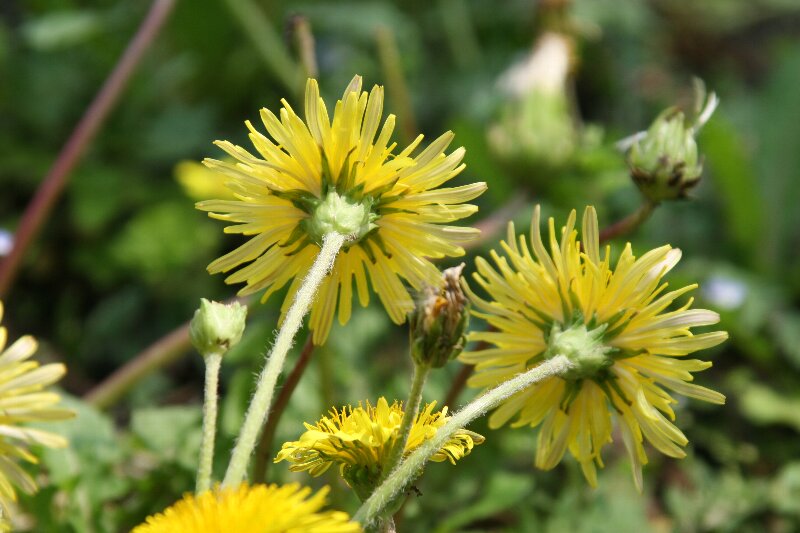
(258, 508)
(24, 398)
(617, 325)
(214, 329)
(358, 440)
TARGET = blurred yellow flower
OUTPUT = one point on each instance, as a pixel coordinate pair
(251, 509)
(325, 175)
(23, 399)
(359, 439)
(200, 182)
(612, 323)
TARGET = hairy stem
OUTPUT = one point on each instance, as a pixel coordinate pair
(213, 362)
(410, 411)
(262, 399)
(50, 189)
(264, 448)
(373, 508)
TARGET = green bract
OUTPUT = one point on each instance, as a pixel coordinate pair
(664, 163)
(583, 347)
(336, 213)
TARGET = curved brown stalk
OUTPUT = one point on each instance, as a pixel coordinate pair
(50, 189)
(165, 350)
(161, 353)
(629, 223)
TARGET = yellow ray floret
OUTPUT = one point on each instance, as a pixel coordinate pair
(613, 323)
(359, 439)
(308, 172)
(251, 509)
(23, 399)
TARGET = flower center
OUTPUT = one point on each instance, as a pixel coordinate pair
(584, 347)
(342, 215)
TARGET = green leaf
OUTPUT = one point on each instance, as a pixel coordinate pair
(733, 173)
(92, 442)
(503, 491)
(60, 29)
(163, 239)
(785, 490)
(172, 433)
(763, 405)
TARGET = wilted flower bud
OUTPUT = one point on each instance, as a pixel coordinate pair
(439, 321)
(216, 327)
(664, 161)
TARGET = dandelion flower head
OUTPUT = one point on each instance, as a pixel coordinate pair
(342, 174)
(251, 509)
(23, 399)
(612, 323)
(359, 439)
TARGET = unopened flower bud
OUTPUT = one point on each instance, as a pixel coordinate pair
(664, 162)
(216, 327)
(439, 321)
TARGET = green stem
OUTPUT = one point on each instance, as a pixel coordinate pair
(372, 509)
(629, 223)
(459, 30)
(396, 86)
(264, 447)
(262, 399)
(304, 42)
(410, 411)
(213, 362)
(268, 42)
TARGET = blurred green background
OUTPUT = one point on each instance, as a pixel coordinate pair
(121, 261)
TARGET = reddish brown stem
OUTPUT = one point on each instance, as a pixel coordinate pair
(161, 353)
(459, 382)
(53, 184)
(493, 224)
(629, 223)
(264, 448)
(167, 349)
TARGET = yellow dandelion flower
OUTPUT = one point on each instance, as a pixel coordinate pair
(23, 399)
(341, 175)
(612, 323)
(359, 439)
(251, 509)
(200, 182)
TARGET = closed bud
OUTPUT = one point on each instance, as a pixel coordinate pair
(664, 161)
(216, 327)
(439, 322)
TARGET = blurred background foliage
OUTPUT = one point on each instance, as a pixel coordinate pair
(122, 259)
